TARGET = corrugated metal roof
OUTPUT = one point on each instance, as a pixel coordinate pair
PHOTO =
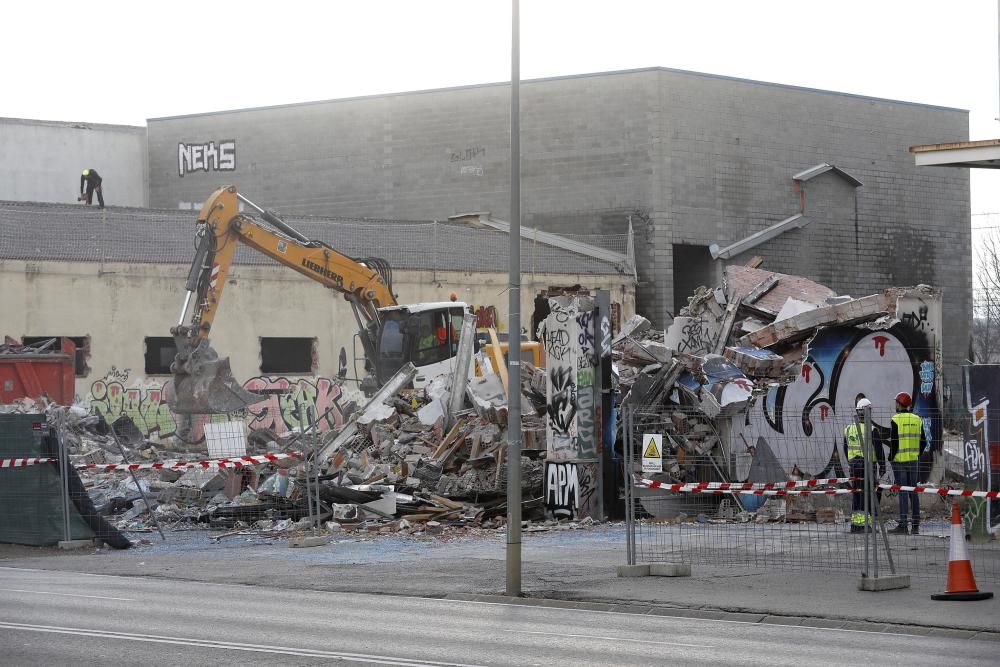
(62, 232)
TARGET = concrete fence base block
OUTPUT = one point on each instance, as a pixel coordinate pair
(76, 544)
(308, 541)
(670, 570)
(888, 582)
(633, 570)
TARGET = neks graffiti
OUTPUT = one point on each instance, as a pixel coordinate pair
(206, 157)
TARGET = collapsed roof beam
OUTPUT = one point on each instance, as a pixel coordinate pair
(795, 222)
(555, 240)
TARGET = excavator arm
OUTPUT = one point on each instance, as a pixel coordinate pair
(202, 382)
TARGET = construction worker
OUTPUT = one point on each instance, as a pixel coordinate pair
(853, 446)
(906, 446)
(90, 179)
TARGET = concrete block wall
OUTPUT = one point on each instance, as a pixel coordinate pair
(745, 141)
(693, 159)
(42, 161)
(432, 154)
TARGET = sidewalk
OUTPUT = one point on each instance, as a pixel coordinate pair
(559, 567)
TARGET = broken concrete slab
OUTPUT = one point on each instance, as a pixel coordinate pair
(793, 307)
(741, 280)
(756, 362)
(634, 326)
(207, 481)
(804, 325)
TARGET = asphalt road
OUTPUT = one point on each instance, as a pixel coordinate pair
(68, 618)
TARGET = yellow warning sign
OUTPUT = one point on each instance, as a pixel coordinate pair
(652, 452)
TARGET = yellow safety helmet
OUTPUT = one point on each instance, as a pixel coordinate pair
(86, 172)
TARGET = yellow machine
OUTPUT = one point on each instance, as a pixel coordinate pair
(391, 334)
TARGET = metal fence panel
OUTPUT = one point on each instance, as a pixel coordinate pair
(779, 529)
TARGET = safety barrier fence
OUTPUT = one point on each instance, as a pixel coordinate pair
(773, 491)
(53, 495)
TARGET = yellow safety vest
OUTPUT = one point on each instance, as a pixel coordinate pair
(853, 435)
(909, 427)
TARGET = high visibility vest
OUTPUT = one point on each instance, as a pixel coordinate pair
(909, 427)
(853, 435)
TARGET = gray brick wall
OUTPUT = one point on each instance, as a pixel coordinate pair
(691, 159)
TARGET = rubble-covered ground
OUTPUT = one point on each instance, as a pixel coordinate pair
(404, 464)
(415, 462)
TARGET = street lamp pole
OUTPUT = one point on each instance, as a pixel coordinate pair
(514, 318)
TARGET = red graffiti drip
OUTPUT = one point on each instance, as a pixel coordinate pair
(880, 342)
(806, 372)
(824, 412)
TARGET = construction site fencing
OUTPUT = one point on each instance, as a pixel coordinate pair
(789, 506)
(52, 494)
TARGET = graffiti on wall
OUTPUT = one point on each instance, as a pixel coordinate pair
(296, 403)
(586, 370)
(562, 489)
(981, 449)
(571, 357)
(562, 396)
(801, 425)
(571, 489)
(290, 404)
(586, 478)
(466, 154)
(112, 396)
(208, 156)
(695, 336)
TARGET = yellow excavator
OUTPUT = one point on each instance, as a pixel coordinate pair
(391, 334)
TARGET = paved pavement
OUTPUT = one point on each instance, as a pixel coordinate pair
(66, 618)
(570, 568)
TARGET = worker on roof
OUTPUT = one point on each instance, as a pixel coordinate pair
(905, 449)
(854, 446)
(91, 180)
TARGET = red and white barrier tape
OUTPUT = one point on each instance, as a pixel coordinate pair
(235, 462)
(20, 463)
(768, 485)
(941, 492)
(682, 488)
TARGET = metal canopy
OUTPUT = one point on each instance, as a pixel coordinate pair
(813, 172)
(983, 154)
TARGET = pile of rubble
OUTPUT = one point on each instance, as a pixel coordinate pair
(410, 460)
(726, 348)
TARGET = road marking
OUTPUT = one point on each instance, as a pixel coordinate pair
(617, 639)
(681, 618)
(68, 595)
(455, 601)
(231, 646)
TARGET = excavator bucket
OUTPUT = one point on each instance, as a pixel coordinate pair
(203, 383)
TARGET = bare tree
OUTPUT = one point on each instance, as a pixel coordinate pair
(986, 302)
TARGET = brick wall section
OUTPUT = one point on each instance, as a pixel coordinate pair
(691, 159)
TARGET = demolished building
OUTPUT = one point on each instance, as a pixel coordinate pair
(753, 381)
(756, 380)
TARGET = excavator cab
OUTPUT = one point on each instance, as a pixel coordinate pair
(425, 334)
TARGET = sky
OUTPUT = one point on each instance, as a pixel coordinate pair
(124, 62)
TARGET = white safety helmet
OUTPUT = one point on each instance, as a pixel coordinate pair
(862, 404)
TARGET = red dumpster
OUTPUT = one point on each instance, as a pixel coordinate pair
(31, 372)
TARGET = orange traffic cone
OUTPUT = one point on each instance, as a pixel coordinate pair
(961, 582)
